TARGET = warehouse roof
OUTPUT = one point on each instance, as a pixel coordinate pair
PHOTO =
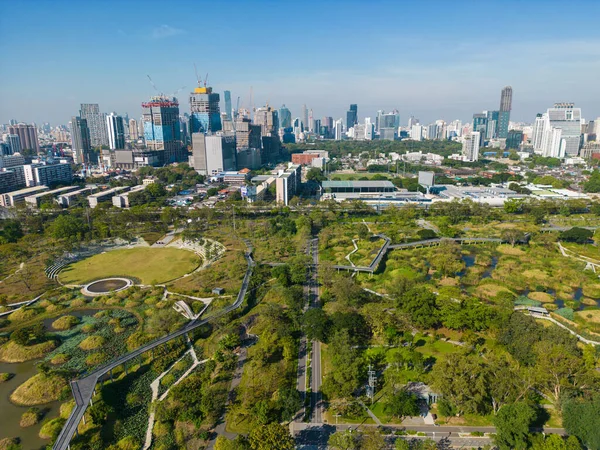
(357, 184)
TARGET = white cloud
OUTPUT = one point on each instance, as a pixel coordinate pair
(165, 31)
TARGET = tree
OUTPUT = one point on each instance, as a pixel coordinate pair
(581, 418)
(288, 403)
(593, 184)
(363, 231)
(316, 324)
(402, 404)
(315, 174)
(371, 439)
(420, 304)
(513, 236)
(282, 273)
(512, 426)
(11, 231)
(271, 436)
(68, 227)
(426, 233)
(20, 336)
(576, 234)
(445, 408)
(463, 381)
(343, 440)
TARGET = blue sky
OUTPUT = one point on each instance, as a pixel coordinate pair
(430, 59)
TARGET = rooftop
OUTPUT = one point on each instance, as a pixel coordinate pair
(357, 184)
(28, 190)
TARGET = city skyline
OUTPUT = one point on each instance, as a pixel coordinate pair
(430, 66)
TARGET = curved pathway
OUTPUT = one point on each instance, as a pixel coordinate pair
(83, 388)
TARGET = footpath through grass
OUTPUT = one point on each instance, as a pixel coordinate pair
(148, 265)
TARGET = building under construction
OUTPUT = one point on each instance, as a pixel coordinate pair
(161, 129)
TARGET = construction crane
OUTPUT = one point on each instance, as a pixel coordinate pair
(197, 77)
(153, 85)
(178, 91)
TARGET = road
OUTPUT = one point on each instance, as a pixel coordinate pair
(314, 436)
(314, 301)
(83, 389)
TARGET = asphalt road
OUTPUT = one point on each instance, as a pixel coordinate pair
(315, 384)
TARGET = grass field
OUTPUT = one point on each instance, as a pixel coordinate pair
(148, 265)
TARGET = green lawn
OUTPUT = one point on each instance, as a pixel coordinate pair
(148, 265)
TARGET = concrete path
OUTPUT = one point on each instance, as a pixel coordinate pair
(347, 257)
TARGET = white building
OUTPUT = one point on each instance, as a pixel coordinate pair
(470, 149)
(416, 132)
(557, 132)
(339, 128)
(116, 131)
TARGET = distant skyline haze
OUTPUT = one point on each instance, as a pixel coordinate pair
(423, 58)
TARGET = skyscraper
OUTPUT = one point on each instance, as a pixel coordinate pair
(352, 116)
(80, 140)
(206, 114)
(557, 133)
(14, 143)
(470, 149)
(96, 123)
(161, 128)
(115, 131)
(285, 117)
(304, 118)
(514, 139)
(228, 110)
(504, 113)
(133, 130)
(27, 136)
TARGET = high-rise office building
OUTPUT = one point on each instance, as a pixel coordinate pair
(80, 140)
(504, 113)
(352, 116)
(338, 130)
(514, 139)
(206, 114)
(133, 130)
(115, 131)
(432, 131)
(14, 143)
(285, 117)
(28, 136)
(327, 125)
(96, 123)
(412, 121)
(491, 131)
(268, 119)
(550, 142)
(161, 128)
(304, 118)
(416, 133)
(228, 110)
(213, 153)
(470, 149)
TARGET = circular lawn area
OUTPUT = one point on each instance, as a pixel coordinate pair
(146, 264)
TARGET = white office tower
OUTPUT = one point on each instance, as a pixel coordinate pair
(338, 129)
(116, 131)
(537, 135)
(359, 132)
(412, 122)
(470, 148)
(416, 133)
(558, 144)
(369, 129)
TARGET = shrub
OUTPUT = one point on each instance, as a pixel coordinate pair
(5, 376)
(51, 429)
(30, 417)
(92, 343)
(567, 313)
(65, 322)
(60, 358)
(96, 358)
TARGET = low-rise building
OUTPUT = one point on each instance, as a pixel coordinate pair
(15, 197)
(105, 196)
(287, 183)
(66, 200)
(36, 199)
(122, 200)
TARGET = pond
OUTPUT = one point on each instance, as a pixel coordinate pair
(10, 414)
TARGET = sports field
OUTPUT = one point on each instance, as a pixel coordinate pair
(144, 264)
